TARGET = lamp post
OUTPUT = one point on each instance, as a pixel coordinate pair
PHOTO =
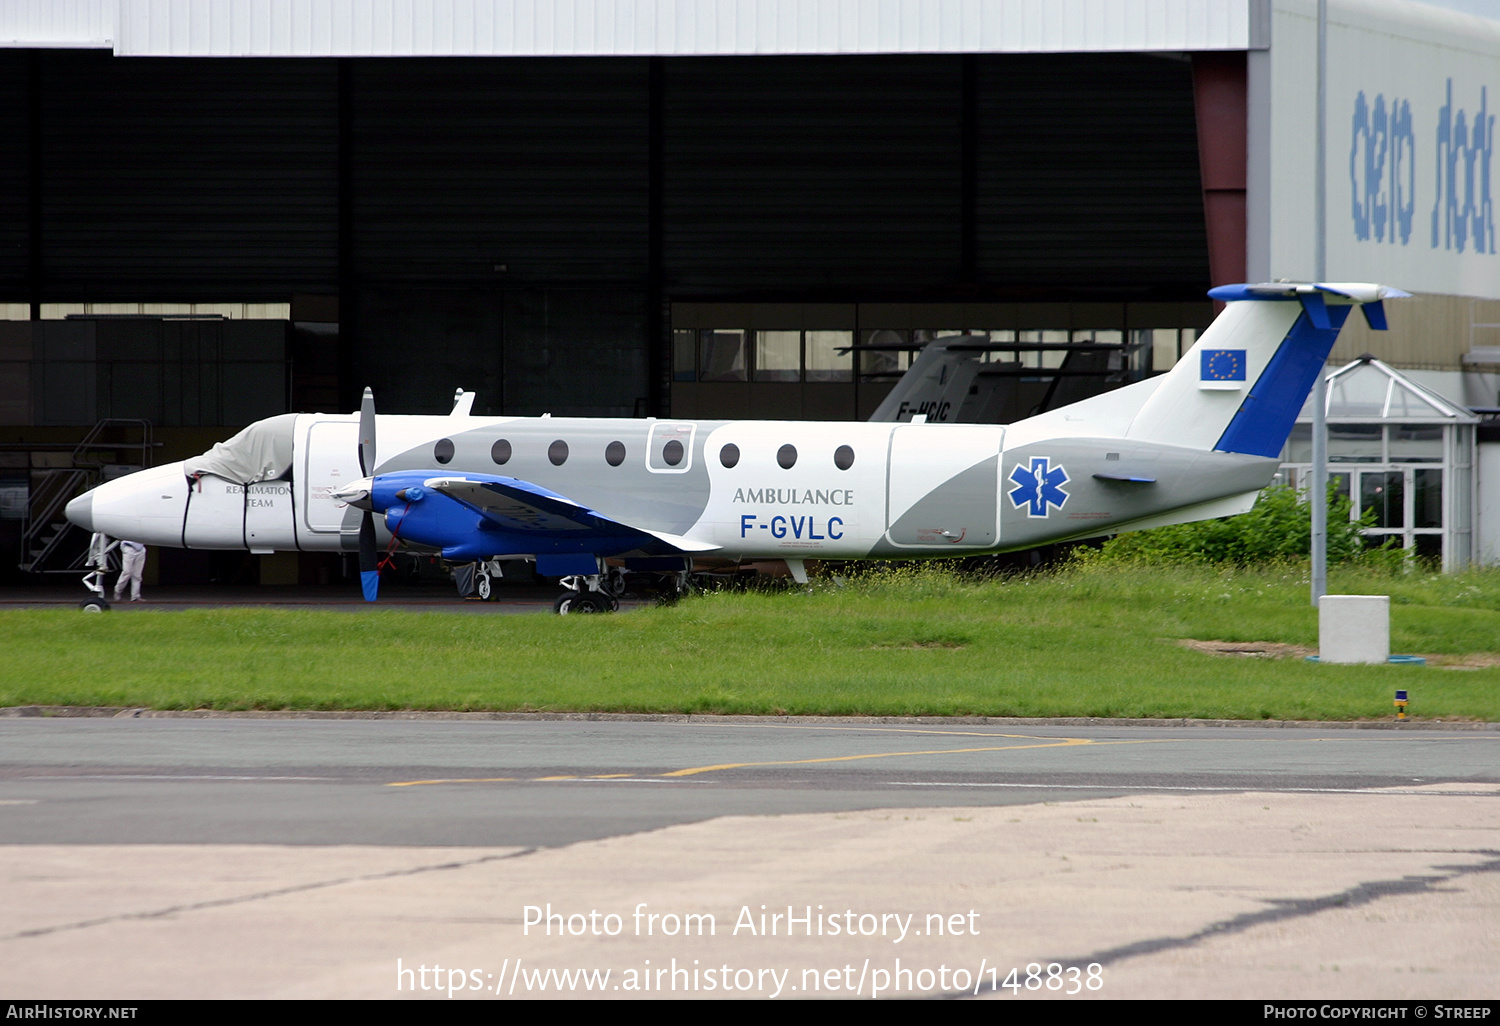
(1319, 497)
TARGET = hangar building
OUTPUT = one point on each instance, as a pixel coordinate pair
(213, 211)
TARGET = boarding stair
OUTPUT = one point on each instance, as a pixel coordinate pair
(49, 543)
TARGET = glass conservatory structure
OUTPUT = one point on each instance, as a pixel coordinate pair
(1400, 450)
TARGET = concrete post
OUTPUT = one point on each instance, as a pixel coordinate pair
(1354, 629)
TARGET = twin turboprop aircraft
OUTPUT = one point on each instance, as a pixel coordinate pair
(654, 495)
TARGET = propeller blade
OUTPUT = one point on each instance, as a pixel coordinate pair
(367, 433)
(369, 558)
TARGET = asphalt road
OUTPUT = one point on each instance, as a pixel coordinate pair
(534, 783)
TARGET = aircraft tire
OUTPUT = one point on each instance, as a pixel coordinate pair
(576, 602)
(94, 605)
(483, 587)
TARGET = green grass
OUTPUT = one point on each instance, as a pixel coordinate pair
(1093, 640)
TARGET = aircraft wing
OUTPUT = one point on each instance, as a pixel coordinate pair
(512, 504)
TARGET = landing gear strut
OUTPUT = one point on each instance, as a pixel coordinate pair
(591, 593)
(98, 561)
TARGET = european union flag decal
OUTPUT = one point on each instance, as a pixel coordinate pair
(1222, 368)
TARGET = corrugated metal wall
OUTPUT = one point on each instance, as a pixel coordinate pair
(219, 180)
(14, 163)
(187, 180)
(804, 174)
(1088, 173)
(540, 166)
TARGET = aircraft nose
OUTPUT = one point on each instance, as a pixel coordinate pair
(81, 511)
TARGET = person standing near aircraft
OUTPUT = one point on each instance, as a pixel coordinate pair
(132, 564)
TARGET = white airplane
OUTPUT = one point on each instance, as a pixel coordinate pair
(654, 495)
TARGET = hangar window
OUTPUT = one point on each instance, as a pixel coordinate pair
(786, 456)
(557, 452)
(827, 357)
(614, 453)
(722, 355)
(778, 355)
(843, 457)
(671, 453)
(885, 354)
(770, 355)
(500, 452)
(443, 450)
(684, 358)
(1165, 345)
(729, 455)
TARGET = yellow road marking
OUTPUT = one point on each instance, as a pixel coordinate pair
(1046, 742)
(456, 780)
(1067, 742)
(849, 726)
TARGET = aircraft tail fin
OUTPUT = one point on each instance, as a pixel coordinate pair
(935, 385)
(1241, 386)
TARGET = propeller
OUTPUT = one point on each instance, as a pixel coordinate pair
(369, 553)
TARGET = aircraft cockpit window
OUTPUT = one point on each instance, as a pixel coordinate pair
(843, 457)
(443, 450)
(614, 453)
(500, 452)
(557, 452)
(729, 455)
(786, 456)
(671, 453)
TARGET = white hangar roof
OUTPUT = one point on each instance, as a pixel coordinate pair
(458, 28)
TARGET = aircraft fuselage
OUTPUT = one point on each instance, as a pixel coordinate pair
(750, 489)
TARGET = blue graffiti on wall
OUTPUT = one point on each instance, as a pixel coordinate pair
(1382, 174)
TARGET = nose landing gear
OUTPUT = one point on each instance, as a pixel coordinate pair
(98, 561)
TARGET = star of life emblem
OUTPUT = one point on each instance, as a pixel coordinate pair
(1038, 486)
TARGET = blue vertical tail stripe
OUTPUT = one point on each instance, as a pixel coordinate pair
(1265, 418)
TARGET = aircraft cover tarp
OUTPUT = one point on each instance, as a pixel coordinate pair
(261, 452)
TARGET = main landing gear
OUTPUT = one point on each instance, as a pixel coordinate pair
(591, 593)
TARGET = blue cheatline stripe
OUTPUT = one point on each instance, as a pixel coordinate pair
(1265, 418)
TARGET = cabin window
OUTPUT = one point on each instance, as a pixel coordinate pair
(843, 457)
(557, 452)
(500, 452)
(443, 450)
(729, 455)
(614, 453)
(787, 456)
(671, 453)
